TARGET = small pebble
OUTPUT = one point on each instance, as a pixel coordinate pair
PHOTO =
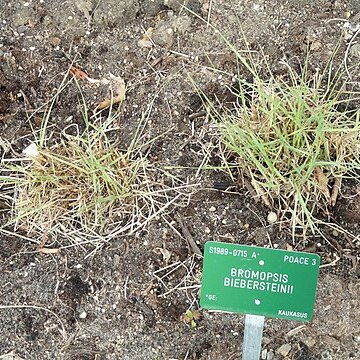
(212, 209)
(116, 260)
(272, 217)
(144, 43)
(31, 151)
(83, 315)
(310, 341)
(284, 349)
(264, 354)
(355, 50)
(55, 41)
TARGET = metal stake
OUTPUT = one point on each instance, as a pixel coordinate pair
(254, 325)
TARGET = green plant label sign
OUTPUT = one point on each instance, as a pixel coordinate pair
(258, 281)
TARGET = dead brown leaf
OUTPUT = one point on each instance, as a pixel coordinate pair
(260, 192)
(196, 315)
(47, 251)
(148, 33)
(119, 94)
(185, 318)
(146, 39)
(335, 191)
(166, 254)
(79, 74)
(322, 181)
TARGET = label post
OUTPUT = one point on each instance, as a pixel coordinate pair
(254, 325)
(258, 282)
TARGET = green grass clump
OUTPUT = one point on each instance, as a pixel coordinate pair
(84, 182)
(84, 187)
(295, 140)
(81, 180)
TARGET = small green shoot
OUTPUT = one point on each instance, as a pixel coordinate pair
(190, 317)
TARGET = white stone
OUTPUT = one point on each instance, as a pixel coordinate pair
(283, 350)
(83, 315)
(264, 354)
(31, 151)
(272, 217)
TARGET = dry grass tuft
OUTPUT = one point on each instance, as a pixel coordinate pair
(294, 140)
(84, 187)
(78, 180)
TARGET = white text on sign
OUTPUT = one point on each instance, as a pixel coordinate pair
(302, 260)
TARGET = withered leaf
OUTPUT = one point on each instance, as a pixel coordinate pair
(322, 181)
(79, 74)
(48, 251)
(119, 94)
(335, 191)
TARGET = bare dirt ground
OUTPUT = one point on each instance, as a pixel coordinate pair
(125, 299)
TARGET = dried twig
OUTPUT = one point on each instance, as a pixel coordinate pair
(188, 282)
(196, 115)
(352, 40)
(209, 14)
(260, 192)
(189, 239)
(296, 330)
(250, 188)
(335, 191)
(333, 263)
